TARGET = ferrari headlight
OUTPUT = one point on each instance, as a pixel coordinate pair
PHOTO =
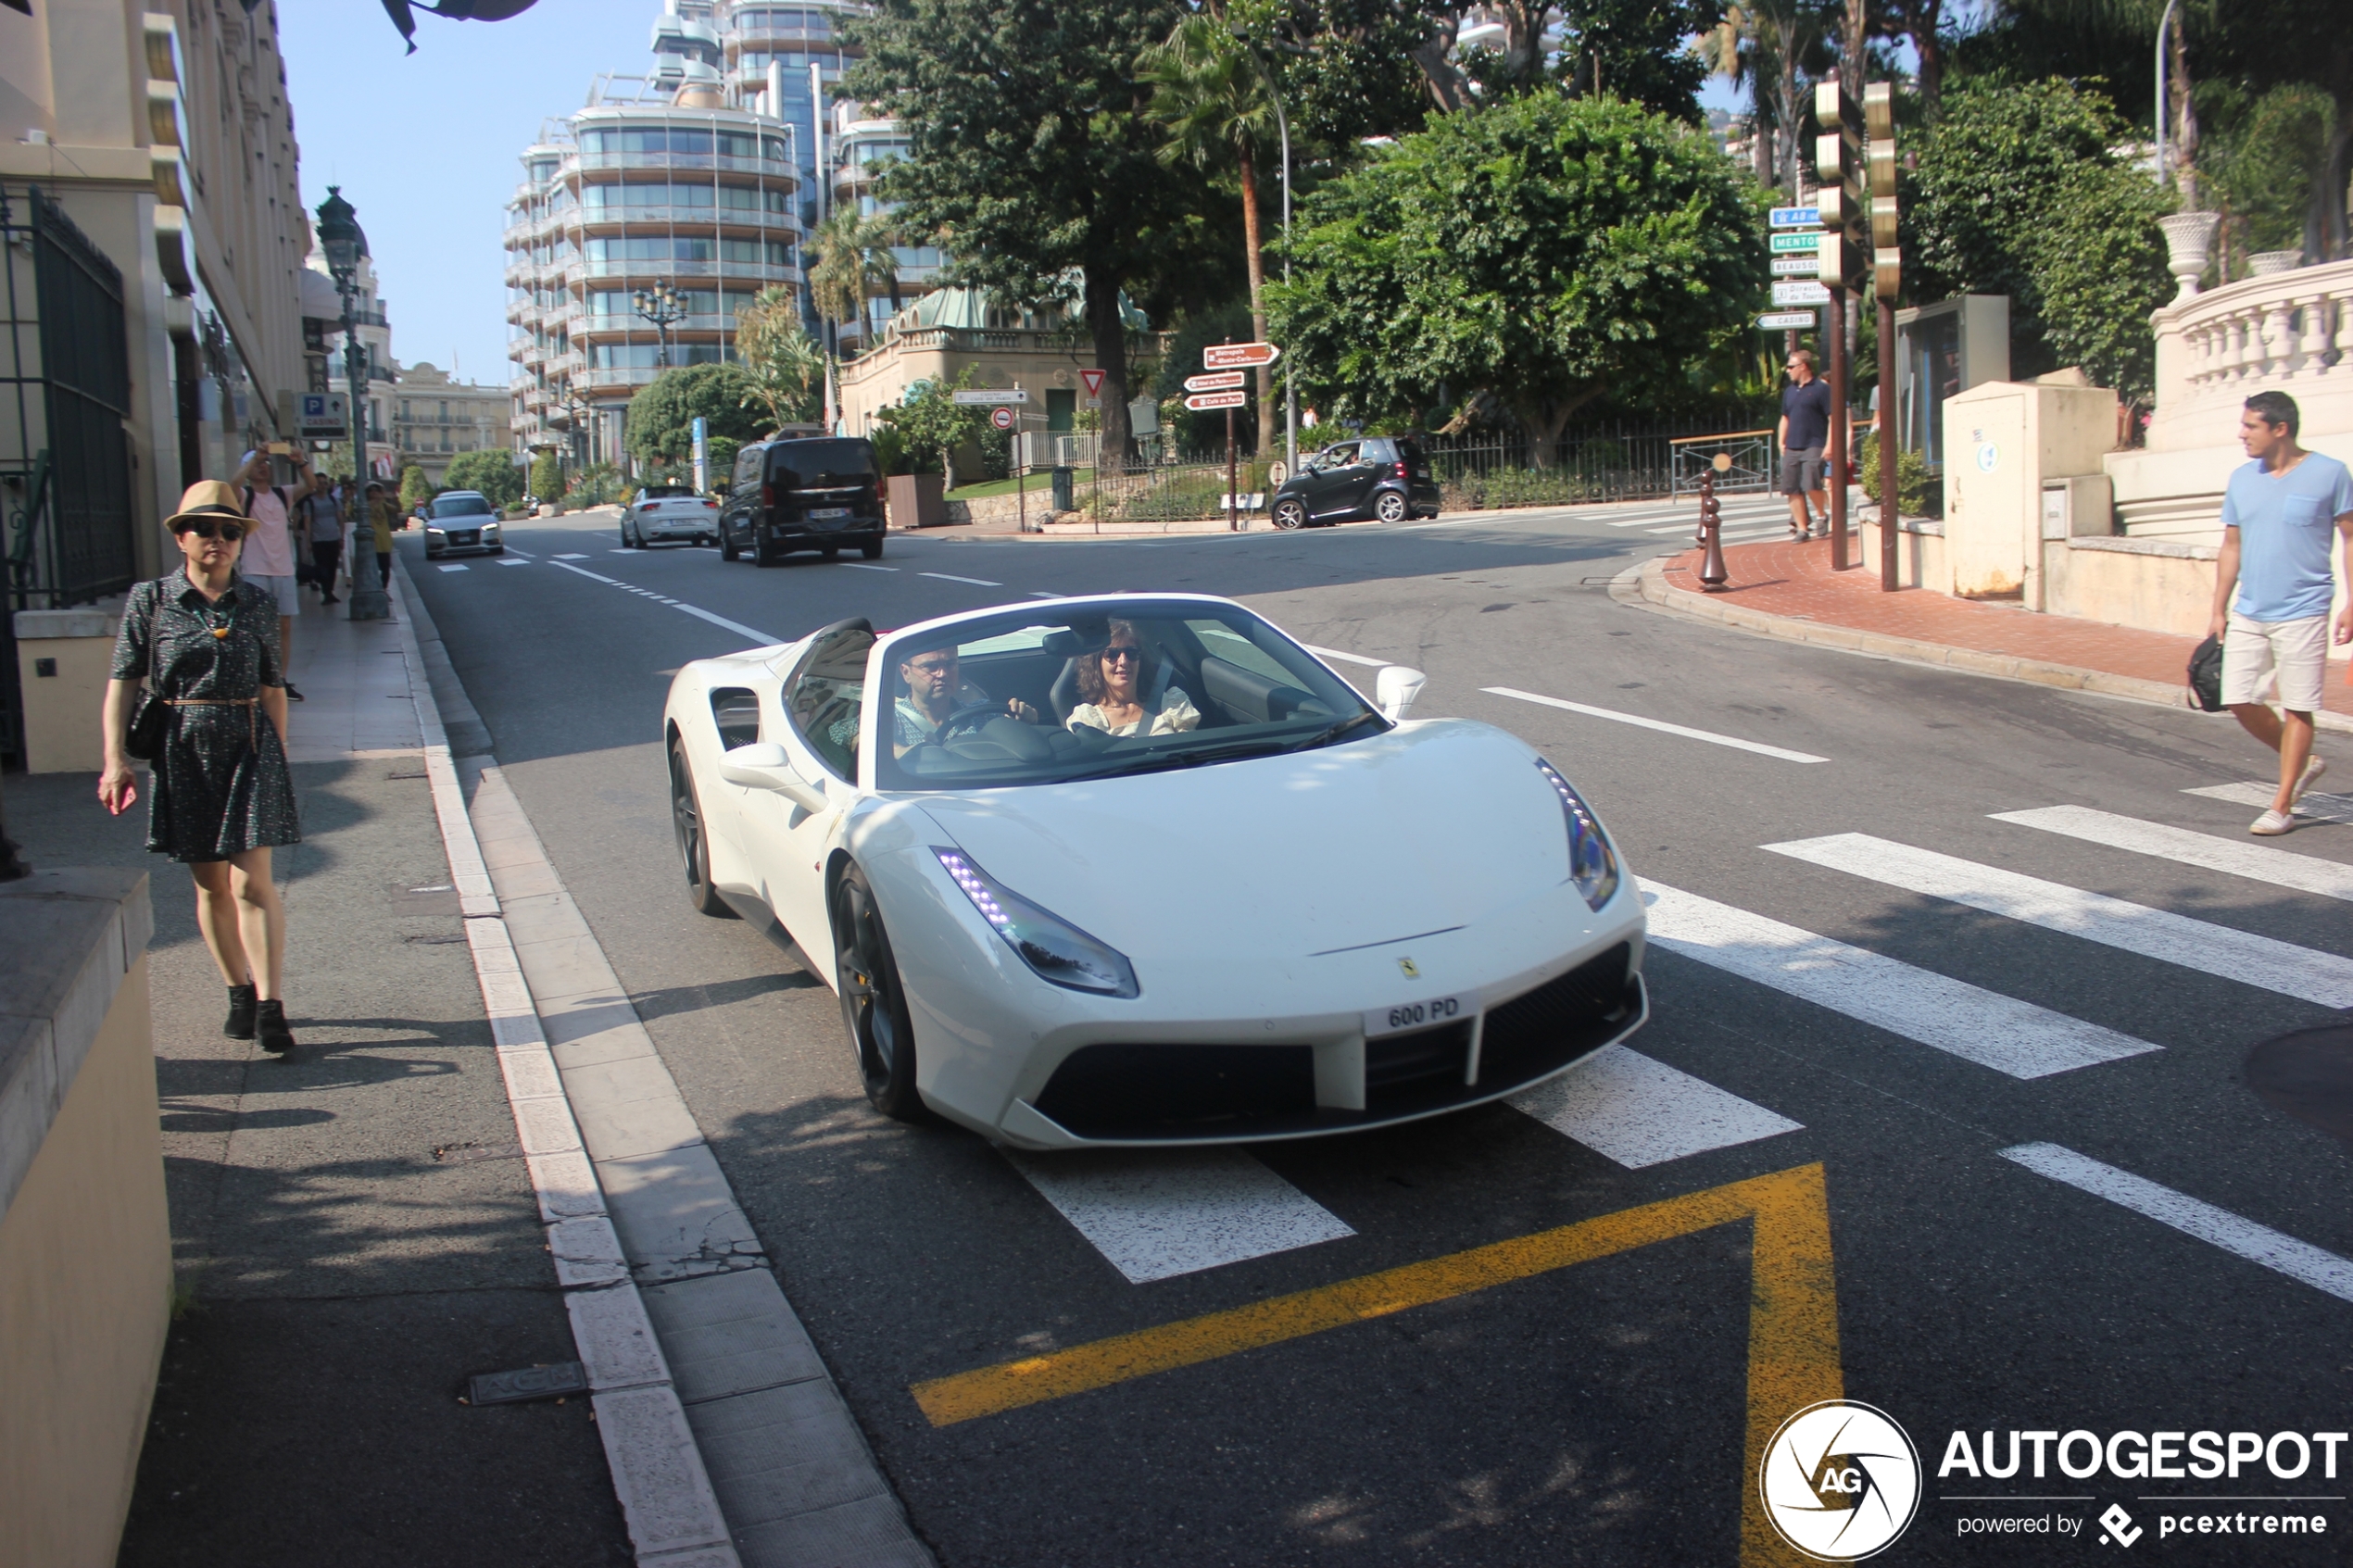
(1057, 950)
(1592, 865)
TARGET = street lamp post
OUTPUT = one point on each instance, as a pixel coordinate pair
(340, 236)
(662, 306)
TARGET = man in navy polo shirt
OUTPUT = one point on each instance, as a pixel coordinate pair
(1804, 431)
(2280, 519)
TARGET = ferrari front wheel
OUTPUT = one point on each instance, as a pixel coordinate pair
(693, 849)
(873, 1003)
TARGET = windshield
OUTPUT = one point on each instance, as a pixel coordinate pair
(462, 506)
(661, 492)
(822, 465)
(1031, 696)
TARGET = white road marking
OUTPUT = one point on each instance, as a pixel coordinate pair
(1626, 1106)
(952, 577)
(758, 637)
(2233, 857)
(573, 556)
(1345, 658)
(2300, 1261)
(2136, 928)
(460, 567)
(1660, 725)
(514, 563)
(2317, 807)
(1975, 1024)
(867, 566)
(1155, 1215)
(1042, 593)
(525, 554)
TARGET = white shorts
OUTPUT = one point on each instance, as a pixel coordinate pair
(2297, 649)
(288, 593)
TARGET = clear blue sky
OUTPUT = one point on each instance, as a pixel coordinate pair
(425, 145)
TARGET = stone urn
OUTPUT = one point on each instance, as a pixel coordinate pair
(2271, 263)
(2189, 244)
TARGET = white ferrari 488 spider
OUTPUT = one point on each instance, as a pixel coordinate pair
(1140, 870)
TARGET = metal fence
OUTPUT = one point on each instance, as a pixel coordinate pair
(1606, 462)
(65, 524)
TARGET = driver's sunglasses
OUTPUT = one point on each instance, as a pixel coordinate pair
(941, 668)
(227, 532)
(1121, 654)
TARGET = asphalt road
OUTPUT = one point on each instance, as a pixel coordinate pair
(1601, 1412)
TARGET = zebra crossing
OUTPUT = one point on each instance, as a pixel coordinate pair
(1165, 1215)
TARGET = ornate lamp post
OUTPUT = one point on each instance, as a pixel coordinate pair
(662, 304)
(340, 235)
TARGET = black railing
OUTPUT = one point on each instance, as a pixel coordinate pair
(1602, 462)
(65, 456)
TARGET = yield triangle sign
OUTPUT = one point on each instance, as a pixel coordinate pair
(1094, 380)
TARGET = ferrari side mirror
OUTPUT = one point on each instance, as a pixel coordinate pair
(763, 765)
(1395, 688)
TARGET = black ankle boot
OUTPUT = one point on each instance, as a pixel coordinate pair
(269, 1026)
(240, 1024)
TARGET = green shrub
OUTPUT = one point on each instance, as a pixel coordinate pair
(1916, 492)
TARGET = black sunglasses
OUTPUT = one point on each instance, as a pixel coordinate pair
(227, 532)
(1124, 651)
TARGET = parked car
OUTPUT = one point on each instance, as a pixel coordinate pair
(669, 512)
(461, 520)
(1375, 476)
(823, 495)
(942, 866)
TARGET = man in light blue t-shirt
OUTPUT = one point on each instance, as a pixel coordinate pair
(2280, 517)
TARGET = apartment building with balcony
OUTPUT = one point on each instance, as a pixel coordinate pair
(435, 416)
(371, 324)
(861, 143)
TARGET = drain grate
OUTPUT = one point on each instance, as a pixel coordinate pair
(526, 1383)
(436, 940)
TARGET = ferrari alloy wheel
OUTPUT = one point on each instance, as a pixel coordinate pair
(1290, 515)
(873, 1005)
(686, 821)
(1391, 507)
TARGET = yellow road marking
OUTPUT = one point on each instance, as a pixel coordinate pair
(1793, 1319)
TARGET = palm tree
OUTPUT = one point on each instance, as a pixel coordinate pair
(854, 259)
(1773, 43)
(782, 360)
(1210, 95)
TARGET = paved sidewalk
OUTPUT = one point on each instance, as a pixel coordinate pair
(1785, 589)
(354, 1230)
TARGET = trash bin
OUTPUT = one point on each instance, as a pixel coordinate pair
(1064, 491)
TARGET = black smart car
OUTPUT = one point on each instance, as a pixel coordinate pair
(824, 494)
(1380, 476)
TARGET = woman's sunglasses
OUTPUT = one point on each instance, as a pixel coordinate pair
(227, 532)
(1119, 655)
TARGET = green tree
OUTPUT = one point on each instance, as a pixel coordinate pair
(1029, 150)
(931, 424)
(1634, 49)
(2261, 157)
(778, 357)
(854, 259)
(415, 488)
(1539, 253)
(2017, 192)
(491, 471)
(547, 475)
(661, 422)
(1212, 97)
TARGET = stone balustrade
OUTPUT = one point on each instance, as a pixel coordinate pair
(2291, 331)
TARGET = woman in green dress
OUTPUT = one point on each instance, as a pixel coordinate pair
(222, 796)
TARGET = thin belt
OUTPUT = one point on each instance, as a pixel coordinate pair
(250, 704)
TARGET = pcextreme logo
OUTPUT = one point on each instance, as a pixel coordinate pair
(1840, 1481)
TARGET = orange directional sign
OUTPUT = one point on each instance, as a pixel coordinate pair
(1200, 402)
(1234, 356)
(1216, 381)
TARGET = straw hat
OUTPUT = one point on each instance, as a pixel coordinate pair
(206, 497)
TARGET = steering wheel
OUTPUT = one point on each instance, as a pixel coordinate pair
(972, 716)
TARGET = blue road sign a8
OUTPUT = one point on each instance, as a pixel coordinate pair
(1796, 216)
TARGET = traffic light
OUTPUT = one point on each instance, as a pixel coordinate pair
(1887, 259)
(1838, 167)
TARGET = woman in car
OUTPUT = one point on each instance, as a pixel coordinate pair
(1112, 681)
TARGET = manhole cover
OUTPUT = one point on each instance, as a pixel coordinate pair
(528, 1383)
(2308, 1075)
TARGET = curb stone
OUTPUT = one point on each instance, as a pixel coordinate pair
(709, 1369)
(1644, 587)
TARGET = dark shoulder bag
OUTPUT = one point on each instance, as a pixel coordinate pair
(145, 737)
(2206, 675)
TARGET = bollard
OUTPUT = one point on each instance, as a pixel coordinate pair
(1712, 574)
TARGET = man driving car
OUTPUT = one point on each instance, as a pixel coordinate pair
(935, 688)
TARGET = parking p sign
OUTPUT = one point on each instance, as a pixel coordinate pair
(325, 413)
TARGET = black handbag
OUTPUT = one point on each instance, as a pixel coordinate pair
(2206, 675)
(144, 738)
